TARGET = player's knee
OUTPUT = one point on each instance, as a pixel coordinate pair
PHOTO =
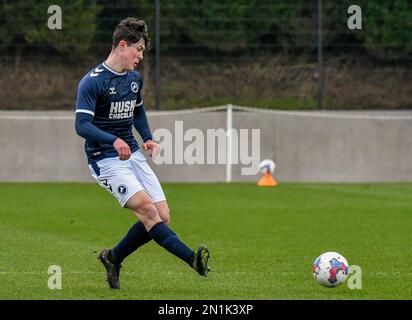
(164, 213)
(148, 210)
(166, 217)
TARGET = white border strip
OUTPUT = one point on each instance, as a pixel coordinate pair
(34, 117)
(52, 115)
(186, 111)
(85, 111)
(327, 114)
(112, 71)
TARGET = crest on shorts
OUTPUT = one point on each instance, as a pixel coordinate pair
(134, 86)
(122, 189)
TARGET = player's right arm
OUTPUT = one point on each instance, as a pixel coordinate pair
(85, 106)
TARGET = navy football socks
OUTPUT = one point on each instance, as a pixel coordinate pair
(165, 237)
(135, 238)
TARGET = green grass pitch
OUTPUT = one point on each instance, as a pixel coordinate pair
(262, 240)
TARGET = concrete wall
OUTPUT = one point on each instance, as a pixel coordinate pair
(310, 147)
(326, 147)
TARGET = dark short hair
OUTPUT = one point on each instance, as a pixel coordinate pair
(131, 30)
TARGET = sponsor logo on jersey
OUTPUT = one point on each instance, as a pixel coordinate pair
(96, 72)
(122, 109)
(112, 90)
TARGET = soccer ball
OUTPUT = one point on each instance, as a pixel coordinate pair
(330, 269)
(267, 166)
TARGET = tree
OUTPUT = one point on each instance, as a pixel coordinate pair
(113, 12)
(224, 26)
(24, 25)
(387, 32)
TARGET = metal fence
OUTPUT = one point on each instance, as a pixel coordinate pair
(277, 55)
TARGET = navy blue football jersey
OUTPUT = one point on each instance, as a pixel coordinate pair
(114, 100)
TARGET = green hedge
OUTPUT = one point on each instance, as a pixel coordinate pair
(215, 27)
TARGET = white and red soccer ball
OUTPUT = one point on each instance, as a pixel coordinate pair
(330, 269)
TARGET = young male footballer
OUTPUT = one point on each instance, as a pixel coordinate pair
(109, 104)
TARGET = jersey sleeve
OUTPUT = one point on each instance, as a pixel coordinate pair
(139, 98)
(86, 96)
(86, 129)
(140, 119)
(141, 124)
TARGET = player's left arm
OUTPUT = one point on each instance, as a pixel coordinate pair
(142, 126)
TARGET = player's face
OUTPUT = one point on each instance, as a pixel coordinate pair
(133, 54)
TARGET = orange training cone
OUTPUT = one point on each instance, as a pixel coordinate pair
(267, 180)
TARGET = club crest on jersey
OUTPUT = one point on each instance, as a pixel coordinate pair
(122, 109)
(134, 86)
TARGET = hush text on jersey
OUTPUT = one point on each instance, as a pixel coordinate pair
(122, 109)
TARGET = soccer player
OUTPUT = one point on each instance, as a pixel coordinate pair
(109, 104)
